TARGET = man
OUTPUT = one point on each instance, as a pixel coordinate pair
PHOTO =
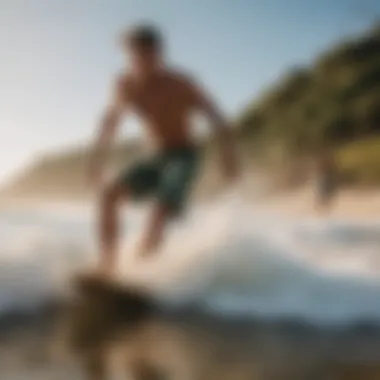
(163, 99)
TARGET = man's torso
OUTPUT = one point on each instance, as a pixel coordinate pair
(163, 104)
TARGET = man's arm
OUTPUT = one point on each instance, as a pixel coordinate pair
(204, 103)
(108, 126)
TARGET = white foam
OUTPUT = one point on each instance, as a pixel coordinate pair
(228, 256)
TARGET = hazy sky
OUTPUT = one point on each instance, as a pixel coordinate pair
(57, 56)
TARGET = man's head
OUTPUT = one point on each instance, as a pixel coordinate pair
(144, 47)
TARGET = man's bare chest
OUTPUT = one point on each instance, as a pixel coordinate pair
(159, 100)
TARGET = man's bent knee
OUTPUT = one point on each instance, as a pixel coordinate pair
(111, 195)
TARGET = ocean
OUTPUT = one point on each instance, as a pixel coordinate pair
(232, 259)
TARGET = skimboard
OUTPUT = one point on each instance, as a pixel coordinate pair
(103, 285)
(100, 307)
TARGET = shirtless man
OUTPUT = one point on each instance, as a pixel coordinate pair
(163, 99)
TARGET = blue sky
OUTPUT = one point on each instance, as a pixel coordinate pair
(57, 56)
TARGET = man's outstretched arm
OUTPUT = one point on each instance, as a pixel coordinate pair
(204, 103)
(108, 126)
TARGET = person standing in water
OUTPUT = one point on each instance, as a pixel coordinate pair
(327, 181)
(164, 99)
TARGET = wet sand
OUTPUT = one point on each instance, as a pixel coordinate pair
(129, 334)
(353, 204)
(207, 349)
(107, 333)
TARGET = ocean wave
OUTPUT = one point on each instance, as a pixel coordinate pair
(229, 257)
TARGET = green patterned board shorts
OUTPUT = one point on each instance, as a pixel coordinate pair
(167, 176)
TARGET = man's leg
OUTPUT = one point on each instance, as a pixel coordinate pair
(109, 225)
(155, 230)
(172, 191)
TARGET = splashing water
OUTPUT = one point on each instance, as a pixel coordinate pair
(230, 257)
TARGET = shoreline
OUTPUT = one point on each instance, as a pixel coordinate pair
(352, 204)
(178, 344)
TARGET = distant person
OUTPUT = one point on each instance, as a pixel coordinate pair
(163, 98)
(326, 181)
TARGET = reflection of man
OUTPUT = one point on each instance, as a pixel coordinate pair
(163, 99)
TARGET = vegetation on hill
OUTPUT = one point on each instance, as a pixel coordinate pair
(359, 161)
(335, 102)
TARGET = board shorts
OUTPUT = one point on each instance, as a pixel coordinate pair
(166, 176)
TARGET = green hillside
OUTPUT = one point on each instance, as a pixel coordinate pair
(334, 102)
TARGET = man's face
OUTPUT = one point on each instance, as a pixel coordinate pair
(143, 59)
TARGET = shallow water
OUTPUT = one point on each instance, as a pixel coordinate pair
(228, 256)
(235, 260)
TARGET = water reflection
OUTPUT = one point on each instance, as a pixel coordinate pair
(125, 334)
